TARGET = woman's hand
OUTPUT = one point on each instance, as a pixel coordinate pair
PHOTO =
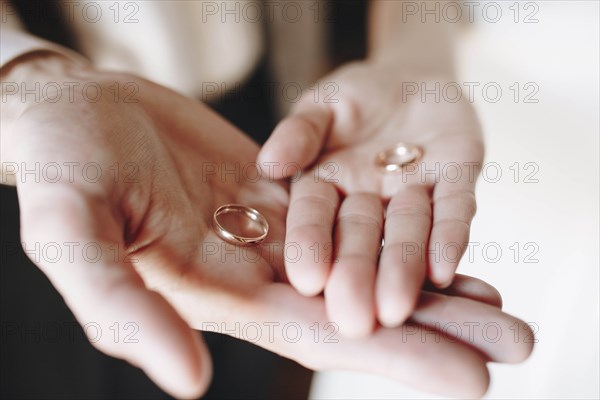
(423, 212)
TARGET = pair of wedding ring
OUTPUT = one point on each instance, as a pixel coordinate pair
(244, 226)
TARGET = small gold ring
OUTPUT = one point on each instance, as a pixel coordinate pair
(251, 214)
(398, 157)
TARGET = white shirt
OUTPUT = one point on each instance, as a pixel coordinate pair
(184, 45)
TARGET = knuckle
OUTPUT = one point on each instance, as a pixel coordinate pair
(314, 201)
(408, 210)
(361, 221)
(459, 200)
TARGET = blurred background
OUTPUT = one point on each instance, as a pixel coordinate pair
(549, 209)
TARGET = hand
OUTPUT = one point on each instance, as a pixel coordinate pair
(124, 183)
(424, 217)
(173, 272)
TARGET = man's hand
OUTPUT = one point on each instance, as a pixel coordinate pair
(423, 212)
(127, 187)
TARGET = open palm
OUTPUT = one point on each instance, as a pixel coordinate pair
(423, 212)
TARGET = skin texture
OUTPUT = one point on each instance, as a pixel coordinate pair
(423, 212)
(172, 274)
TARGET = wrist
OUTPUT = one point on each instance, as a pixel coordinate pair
(399, 71)
(31, 79)
(422, 65)
(41, 66)
(34, 78)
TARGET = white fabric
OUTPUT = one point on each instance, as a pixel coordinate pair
(186, 45)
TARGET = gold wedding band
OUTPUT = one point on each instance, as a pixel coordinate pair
(252, 222)
(398, 156)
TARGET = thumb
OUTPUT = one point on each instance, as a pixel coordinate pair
(296, 141)
(120, 316)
